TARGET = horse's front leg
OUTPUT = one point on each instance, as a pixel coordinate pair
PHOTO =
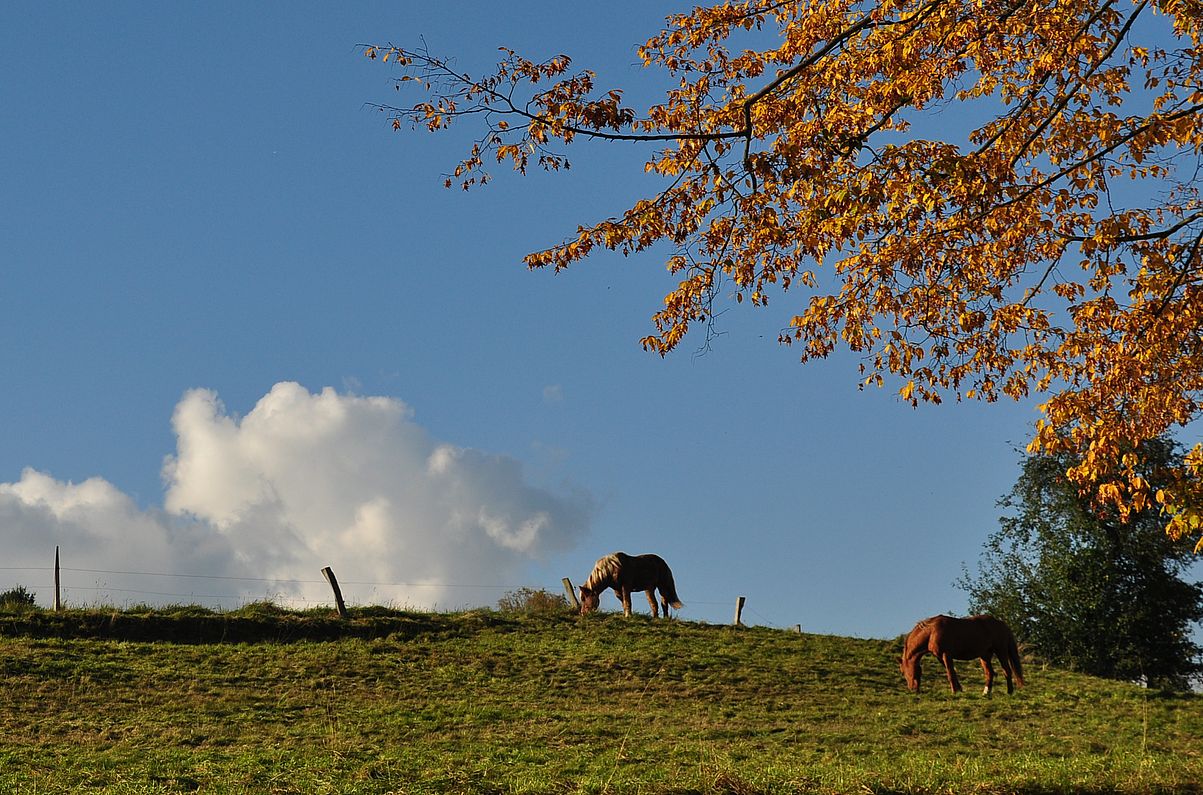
(951, 669)
(625, 595)
(651, 600)
(988, 670)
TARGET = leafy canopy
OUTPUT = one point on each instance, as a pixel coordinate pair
(1084, 590)
(1054, 249)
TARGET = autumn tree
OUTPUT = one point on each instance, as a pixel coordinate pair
(1083, 589)
(1053, 250)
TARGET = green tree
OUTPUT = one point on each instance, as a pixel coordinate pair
(1086, 590)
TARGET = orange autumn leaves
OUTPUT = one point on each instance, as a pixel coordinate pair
(979, 198)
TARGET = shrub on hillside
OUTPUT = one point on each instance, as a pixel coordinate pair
(17, 598)
(532, 600)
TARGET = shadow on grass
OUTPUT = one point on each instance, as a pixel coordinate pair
(732, 785)
(260, 622)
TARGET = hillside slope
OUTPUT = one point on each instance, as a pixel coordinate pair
(488, 703)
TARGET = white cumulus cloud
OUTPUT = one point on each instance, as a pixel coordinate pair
(306, 480)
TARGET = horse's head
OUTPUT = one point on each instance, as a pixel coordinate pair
(911, 672)
(589, 600)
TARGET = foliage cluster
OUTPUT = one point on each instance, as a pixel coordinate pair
(492, 703)
(1055, 248)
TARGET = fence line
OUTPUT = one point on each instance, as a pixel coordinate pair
(273, 580)
(244, 596)
(282, 582)
(722, 603)
(102, 589)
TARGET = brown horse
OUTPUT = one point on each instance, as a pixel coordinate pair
(951, 639)
(627, 574)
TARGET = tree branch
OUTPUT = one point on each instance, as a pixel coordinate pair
(1178, 280)
(1072, 92)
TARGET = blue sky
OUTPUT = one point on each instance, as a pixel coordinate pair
(216, 255)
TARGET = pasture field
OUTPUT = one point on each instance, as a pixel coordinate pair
(142, 701)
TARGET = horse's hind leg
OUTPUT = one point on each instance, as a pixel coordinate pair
(988, 670)
(1006, 666)
(651, 600)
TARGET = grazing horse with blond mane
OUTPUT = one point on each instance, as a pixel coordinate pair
(627, 574)
(949, 639)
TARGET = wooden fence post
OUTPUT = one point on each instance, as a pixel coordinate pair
(58, 602)
(739, 610)
(568, 589)
(798, 628)
(338, 594)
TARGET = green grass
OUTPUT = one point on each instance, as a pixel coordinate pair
(484, 702)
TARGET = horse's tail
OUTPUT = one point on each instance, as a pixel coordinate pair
(1016, 662)
(668, 589)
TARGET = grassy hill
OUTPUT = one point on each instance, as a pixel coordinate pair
(263, 701)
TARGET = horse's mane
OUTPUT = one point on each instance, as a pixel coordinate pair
(605, 572)
(919, 633)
